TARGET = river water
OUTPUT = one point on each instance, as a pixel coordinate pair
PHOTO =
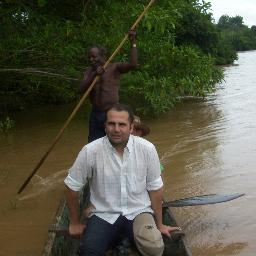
(207, 146)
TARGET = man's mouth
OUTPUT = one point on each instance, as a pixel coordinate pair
(116, 136)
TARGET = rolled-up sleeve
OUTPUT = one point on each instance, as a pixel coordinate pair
(79, 172)
(153, 165)
(72, 183)
(155, 184)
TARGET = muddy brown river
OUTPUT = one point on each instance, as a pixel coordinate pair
(207, 146)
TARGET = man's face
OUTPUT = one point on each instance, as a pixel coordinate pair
(118, 127)
(95, 57)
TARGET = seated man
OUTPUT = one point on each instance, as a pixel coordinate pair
(139, 129)
(125, 184)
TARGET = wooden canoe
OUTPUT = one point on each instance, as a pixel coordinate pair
(63, 245)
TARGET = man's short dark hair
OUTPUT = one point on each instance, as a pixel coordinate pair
(123, 107)
(102, 49)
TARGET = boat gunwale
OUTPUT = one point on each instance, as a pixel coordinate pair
(53, 237)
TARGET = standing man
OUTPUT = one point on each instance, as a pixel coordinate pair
(126, 189)
(105, 92)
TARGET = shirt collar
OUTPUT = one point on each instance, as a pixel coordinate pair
(128, 145)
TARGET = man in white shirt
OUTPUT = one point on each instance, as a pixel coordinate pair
(125, 181)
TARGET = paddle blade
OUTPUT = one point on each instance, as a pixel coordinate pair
(202, 200)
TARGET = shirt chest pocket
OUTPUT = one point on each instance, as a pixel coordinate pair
(137, 183)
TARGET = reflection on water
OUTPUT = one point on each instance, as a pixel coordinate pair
(207, 146)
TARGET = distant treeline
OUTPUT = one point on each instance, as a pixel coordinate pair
(235, 33)
(43, 50)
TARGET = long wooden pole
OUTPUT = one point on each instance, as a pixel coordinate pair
(81, 102)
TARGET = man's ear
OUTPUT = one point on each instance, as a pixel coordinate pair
(132, 127)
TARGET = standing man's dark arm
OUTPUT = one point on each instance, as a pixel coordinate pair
(134, 53)
(89, 77)
(132, 64)
(90, 74)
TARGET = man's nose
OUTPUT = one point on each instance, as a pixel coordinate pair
(117, 128)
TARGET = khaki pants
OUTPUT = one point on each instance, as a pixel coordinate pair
(147, 237)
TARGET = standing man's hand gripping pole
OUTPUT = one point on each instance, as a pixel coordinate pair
(76, 228)
(156, 197)
(133, 58)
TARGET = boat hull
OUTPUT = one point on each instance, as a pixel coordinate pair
(59, 244)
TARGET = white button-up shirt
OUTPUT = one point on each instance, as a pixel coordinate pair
(118, 185)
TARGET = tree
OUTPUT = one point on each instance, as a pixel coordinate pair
(195, 27)
(223, 21)
(234, 31)
(226, 21)
(43, 53)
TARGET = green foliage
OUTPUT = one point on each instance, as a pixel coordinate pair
(43, 53)
(231, 22)
(226, 53)
(239, 36)
(6, 125)
(188, 72)
(253, 30)
(195, 27)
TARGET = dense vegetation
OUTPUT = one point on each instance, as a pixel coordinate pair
(44, 43)
(240, 36)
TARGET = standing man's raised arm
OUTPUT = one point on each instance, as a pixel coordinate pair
(133, 62)
(134, 53)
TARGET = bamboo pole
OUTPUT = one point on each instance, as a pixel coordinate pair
(81, 102)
